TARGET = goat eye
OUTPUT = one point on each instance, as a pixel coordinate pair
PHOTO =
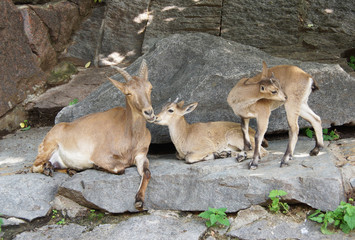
(170, 110)
(273, 92)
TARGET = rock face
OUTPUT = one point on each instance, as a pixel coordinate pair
(20, 73)
(33, 36)
(204, 68)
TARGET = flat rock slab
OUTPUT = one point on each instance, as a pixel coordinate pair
(28, 196)
(19, 150)
(159, 225)
(176, 185)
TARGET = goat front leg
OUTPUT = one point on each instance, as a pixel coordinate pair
(142, 164)
(263, 122)
(245, 131)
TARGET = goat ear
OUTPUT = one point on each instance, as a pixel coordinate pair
(143, 70)
(117, 84)
(264, 73)
(181, 104)
(189, 108)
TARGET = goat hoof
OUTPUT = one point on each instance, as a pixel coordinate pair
(241, 157)
(48, 169)
(284, 164)
(314, 152)
(253, 166)
(138, 205)
(71, 172)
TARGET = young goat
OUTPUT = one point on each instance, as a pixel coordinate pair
(112, 140)
(202, 141)
(256, 97)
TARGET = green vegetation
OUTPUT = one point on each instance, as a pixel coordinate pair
(343, 217)
(56, 215)
(93, 215)
(214, 216)
(351, 63)
(25, 125)
(75, 101)
(1, 223)
(276, 206)
(327, 135)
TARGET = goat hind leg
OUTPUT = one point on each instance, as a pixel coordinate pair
(314, 119)
(45, 151)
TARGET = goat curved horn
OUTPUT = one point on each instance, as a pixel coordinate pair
(176, 100)
(123, 72)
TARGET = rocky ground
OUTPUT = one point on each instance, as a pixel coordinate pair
(35, 206)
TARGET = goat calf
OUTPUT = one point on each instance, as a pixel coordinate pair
(256, 97)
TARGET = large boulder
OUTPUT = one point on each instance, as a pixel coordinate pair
(20, 72)
(204, 68)
(176, 185)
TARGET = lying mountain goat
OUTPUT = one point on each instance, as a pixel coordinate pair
(256, 97)
(202, 141)
(112, 140)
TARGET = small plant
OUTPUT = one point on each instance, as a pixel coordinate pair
(75, 101)
(276, 206)
(87, 65)
(95, 216)
(351, 62)
(25, 125)
(214, 216)
(61, 222)
(343, 217)
(327, 135)
(1, 223)
(55, 213)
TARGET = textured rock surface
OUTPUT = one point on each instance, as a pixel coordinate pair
(176, 185)
(257, 223)
(15, 54)
(204, 68)
(158, 225)
(28, 196)
(125, 22)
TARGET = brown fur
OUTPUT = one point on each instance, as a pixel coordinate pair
(202, 141)
(112, 140)
(249, 101)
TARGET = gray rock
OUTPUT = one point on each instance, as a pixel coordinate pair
(85, 40)
(158, 225)
(68, 207)
(176, 185)
(204, 68)
(162, 225)
(182, 16)
(27, 196)
(125, 22)
(257, 223)
(54, 232)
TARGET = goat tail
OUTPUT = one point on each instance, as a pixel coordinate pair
(315, 86)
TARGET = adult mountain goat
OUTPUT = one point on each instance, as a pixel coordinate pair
(112, 140)
(256, 97)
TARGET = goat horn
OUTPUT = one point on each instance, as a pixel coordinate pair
(176, 100)
(123, 72)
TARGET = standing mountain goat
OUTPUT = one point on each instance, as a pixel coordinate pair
(256, 97)
(112, 140)
(202, 141)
